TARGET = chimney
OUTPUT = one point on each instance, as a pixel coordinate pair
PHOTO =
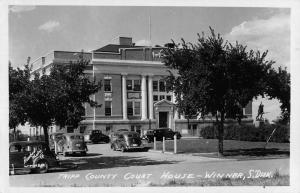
(125, 41)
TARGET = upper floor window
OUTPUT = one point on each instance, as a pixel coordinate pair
(133, 85)
(107, 108)
(161, 97)
(155, 97)
(136, 85)
(155, 86)
(107, 85)
(129, 84)
(162, 86)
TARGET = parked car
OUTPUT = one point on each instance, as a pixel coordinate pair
(160, 133)
(57, 136)
(69, 143)
(31, 156)
(149, 135)
(96, 136)
(126, 140)
(114, 135)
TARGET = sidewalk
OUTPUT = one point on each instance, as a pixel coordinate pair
(186, 156)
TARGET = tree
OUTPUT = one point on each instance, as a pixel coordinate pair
(279, 86)
(59, 98)
(72, 89)
(216, 77)
(19, 80)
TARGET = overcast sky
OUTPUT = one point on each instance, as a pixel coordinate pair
(36, 30)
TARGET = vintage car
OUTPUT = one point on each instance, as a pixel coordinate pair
(160, 133)
(126, 140)
(31, 156)
(69, 143)
(96, 136)
(57, 136)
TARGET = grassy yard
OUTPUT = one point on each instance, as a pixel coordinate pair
(276, 181)
(237, 149)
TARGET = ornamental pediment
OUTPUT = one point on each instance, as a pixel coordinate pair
(164, 103)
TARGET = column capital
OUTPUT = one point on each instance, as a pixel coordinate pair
(124, 74)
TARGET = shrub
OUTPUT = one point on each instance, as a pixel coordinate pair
(249, 133)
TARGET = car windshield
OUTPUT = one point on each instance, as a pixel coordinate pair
(76, 137)
(133, 135)
(15, 148)
(59, 136)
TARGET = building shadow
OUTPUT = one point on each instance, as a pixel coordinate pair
(257, 152)
(91, 163)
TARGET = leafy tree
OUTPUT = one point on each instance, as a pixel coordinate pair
(216, 77)
(59, 98)
(72, 89)
(279, 86)
(19, 80)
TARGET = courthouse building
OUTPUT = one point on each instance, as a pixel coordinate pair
(133, 95)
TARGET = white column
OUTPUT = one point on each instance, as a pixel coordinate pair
(144, 98)
(124, 96)
(150, 96)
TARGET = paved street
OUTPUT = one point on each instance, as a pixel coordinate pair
(104, 167)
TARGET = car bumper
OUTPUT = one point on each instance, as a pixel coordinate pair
(76, 151)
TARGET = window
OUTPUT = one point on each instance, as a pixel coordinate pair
(169, 97)
(161, 97)
(132, 128)
(15, 148)
(162, 86)
(107, 108)
(129, 84)
(107, 128)
(107, 85)
(129, 108)
(133, 108)
(155, 86)
(82, 129)
(155, 97)
(137, 108)
(136, 85)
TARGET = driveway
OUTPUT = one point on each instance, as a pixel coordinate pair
(104, 167)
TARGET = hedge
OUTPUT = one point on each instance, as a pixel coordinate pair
(249, 133)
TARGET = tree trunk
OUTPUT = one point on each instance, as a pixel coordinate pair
(45, 128)
(221, 134)
(15, 134)
(188, 123)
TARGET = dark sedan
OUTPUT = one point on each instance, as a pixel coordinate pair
(160, 133)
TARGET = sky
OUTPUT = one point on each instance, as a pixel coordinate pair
(37, 30)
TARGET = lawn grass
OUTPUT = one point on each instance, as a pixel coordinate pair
(275, 181)
(232, 148)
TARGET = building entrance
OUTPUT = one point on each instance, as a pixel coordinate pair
(163, 119)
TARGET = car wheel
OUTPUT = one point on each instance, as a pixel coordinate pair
(43, 166)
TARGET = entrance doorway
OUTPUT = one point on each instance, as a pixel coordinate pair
(163, 119)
